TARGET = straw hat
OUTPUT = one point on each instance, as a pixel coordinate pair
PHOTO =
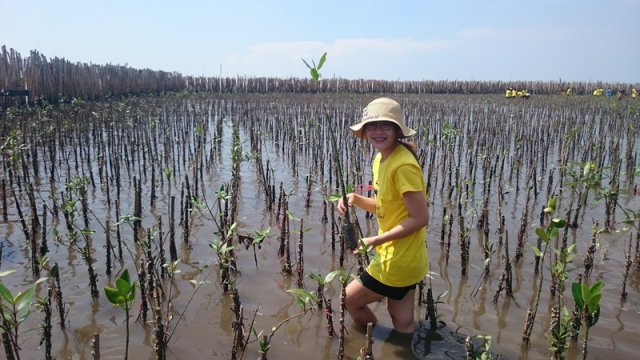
(382, 109)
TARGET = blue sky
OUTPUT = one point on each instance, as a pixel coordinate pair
(545, 40)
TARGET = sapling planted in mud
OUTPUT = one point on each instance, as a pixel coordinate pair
(560, 332)
(343, 277)
(45, 306)
(224, 251)
(254, 241)
(588, 300)
(14, 310)
(306, 300)
(123, 296)
(546, 234)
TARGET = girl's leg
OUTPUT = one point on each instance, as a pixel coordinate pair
(401, 312)
(358, 297)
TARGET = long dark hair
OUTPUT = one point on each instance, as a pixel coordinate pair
(411, 146)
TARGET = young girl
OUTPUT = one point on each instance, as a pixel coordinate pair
(400, 206)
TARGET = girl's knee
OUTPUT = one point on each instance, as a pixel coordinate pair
(405, 326)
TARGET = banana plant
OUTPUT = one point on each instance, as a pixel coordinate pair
(315, 69)
(123, 296)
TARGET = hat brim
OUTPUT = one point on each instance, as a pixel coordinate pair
(358, 128)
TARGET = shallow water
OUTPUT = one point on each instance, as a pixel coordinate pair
(202, 320)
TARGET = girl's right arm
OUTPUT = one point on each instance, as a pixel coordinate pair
(366, 203)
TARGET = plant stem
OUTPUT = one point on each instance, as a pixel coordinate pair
(126, 347)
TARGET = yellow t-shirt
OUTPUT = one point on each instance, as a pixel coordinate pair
(401, 262)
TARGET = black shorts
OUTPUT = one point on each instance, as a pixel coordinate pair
(396, 293)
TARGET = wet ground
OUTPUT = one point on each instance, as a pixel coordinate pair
(202, 321)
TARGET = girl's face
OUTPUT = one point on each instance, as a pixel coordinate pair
(382, 135)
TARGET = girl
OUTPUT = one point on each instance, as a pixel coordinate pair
(400, 207)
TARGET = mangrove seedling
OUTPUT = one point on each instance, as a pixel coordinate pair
(588, 300)
(257, 240)
(122, 296)
(545, 235)
(306, 300)
(14, 310)
(224, 251)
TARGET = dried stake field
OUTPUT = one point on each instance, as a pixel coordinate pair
(218, 208)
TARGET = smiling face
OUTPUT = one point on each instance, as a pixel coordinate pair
(383, 135)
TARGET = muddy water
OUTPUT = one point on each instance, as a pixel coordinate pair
(201, 326)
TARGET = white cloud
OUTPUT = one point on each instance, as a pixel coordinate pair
(284, 58)
(483, 53)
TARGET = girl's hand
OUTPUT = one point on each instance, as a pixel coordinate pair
(341, 206)
(367, 241)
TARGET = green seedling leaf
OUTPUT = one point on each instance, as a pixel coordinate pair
(558, 223)
(594, 303)
(333, 197)
(297, 292)
(597, 287)
(132, 293)
(7, 272)
(127, 218)
(6, 294)
(123, 286)
(535, 250)
(316, 277)
(24, 298)
(232, 230)
(576, 290)
(595, 316)
(24, 315)
(290, 215)
(330, 276)
(586, 294)
(542, 234)
(54, 271)
(125, 276)
(350, 188)
(551, 206)
(303, 296)
(113, 296)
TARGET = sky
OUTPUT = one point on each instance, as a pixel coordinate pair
(476, 40)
